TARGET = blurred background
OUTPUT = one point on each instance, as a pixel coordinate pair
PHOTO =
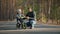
(47, 11)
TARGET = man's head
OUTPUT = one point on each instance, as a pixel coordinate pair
(30, 9)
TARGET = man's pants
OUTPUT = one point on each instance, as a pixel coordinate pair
(31, 23)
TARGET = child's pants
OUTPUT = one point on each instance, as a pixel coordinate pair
(20, 20)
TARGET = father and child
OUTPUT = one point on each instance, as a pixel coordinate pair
(30, 16)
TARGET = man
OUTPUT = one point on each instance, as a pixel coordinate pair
(31, 15)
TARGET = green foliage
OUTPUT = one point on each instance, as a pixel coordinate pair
(55, 12)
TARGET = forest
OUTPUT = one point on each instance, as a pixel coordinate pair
(47, 11)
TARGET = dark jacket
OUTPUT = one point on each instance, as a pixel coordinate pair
(31, 15)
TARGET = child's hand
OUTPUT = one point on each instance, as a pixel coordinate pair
(27, 17)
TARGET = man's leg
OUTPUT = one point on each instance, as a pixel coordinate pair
(31, 24)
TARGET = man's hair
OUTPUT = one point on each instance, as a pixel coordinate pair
(29, 8)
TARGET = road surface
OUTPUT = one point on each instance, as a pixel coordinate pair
(10, 28)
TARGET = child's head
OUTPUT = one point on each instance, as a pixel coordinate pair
(19, 11)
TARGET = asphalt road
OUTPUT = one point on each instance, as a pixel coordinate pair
(30, 33)
(10, 28)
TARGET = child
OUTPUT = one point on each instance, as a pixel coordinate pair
(19, 17)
